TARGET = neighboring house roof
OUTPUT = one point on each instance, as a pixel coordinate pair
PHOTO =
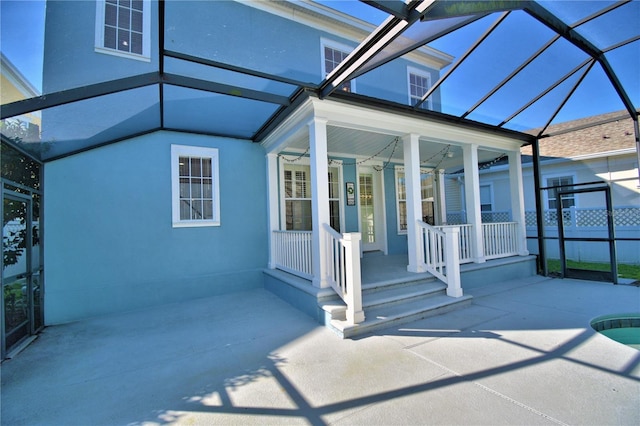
(599, 135)
(591, 135)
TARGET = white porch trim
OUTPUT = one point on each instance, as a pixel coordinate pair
(272, 199)
(411, 144)
(517, 200)
(319, 197)
(472, 200)
(439, 194)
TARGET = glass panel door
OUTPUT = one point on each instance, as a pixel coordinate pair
(371, 206)
(16, 284)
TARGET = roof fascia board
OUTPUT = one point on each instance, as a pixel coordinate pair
(316, 16)
(431, 116)
(292, 125)
(16, 78)
(365, 118)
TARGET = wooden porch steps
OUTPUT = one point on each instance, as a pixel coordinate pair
(393, 302)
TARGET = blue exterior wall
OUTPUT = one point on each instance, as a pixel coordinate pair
(70, 59)
(110, 245)
(396, 243)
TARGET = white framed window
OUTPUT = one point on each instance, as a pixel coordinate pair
(333, 54)
(552, 194)
(195, 189)
(296, 196)
(426, 192)
(486, 198)
(419, 83)
(123, 28)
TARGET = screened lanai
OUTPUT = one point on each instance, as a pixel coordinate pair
(512, 67)
(519, 65)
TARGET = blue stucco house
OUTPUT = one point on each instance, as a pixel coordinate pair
(194, 165)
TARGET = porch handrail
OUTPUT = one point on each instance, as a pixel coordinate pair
(343, 270)
(440, 255)
(500, 239)
(465, 249)
(292, 252)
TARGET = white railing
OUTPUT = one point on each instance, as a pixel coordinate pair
(440, 255)
(500, 239)
(292, 252)
(343, 270)
(465, 249)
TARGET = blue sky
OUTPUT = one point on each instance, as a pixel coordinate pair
(22, 27)
(22, 36)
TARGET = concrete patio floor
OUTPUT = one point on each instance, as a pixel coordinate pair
(522, 353)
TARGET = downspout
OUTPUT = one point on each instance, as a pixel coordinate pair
(542, 258)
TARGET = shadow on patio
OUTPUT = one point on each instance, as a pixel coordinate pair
(522, 353)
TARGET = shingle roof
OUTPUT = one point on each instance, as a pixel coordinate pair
(591, 135)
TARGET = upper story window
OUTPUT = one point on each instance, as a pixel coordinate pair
(123, 27)
(332, 55)
(419, 83)
(563, 183)
(195, 186)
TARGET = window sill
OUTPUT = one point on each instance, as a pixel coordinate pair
(121, 54)
(195, 224)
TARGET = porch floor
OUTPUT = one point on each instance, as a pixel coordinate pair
(522, 353)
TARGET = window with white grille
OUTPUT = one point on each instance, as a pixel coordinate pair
(332, 55)
(561, 183)
(297, 197)
(123, 27)
(419, 84)
(426, 192)
(195, 186)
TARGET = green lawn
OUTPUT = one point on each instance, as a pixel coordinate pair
(624, 271)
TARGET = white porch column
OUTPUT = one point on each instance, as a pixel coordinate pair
(319, 197)
(472, 200)
(517, 200)
(413, 199)
(441, 203)
(272, 199)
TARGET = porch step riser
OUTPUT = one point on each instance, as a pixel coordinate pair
(387, 296)
(410, 315)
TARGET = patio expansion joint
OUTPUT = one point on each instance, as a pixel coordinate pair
(490, 390)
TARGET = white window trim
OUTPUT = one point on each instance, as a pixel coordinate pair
(490, 185)
(555, 176)
(194, 151)
(400, 169)
(146, 33)
(421, 73)
(324, 42)
(305, 161)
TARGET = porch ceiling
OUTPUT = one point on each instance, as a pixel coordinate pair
(384, 148)
(517, 65)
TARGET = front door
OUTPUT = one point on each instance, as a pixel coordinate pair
(21, 295)
(371, 209)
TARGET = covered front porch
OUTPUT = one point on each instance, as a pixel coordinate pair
(347, 182)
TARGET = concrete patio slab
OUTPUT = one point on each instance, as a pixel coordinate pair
(522, 353)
